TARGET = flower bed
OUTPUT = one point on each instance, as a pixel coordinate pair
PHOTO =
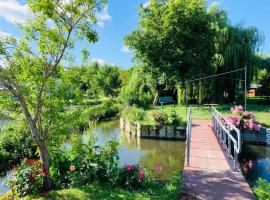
(251, 129)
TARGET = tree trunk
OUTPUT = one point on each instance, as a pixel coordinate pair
(155, 102)
(44, 155)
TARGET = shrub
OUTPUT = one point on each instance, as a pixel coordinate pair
(85, 163)
(133, 113)
(262, 190)
(133, 176)
(106, 110)
(16, 144)
(159, 119)
(28, 178)
(174, 119)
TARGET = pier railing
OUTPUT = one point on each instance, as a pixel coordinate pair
(228, 134)
(188, 134)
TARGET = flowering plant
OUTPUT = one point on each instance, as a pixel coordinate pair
(243, 120)
(28, 178)
(133, 176)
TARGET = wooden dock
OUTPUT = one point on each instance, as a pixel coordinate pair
(210, 174)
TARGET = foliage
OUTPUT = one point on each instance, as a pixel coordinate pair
(181, 40)
(139, 90)
(108, 79)
(15, 145)
(106, 110)
(174, 119)
(133, 113)
(33, 63)
(243, 119)
(28, 178)
(159, 119)
(264, 82)
(262, 190)
(84, 163)
(133, 177)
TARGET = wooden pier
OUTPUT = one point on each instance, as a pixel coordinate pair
(211, 173)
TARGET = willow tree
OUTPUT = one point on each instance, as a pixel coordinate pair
(30, 65)
(235, 47)
(174, 40)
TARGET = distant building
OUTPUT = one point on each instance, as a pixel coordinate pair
(252, 91)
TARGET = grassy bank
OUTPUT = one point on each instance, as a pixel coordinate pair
(155, 191)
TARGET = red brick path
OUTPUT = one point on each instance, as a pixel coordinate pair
(210, 175)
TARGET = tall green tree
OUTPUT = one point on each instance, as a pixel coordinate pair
(31, 65)
(174, 40)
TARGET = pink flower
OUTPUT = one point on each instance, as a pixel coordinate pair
(128, 167)
(246, 113)
(158, 168)
(141, 175)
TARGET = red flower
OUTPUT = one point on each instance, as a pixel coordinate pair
(141, 175)
(72, 168)
(31, 161)
(41, 164)
(128, 167)
(45, 171)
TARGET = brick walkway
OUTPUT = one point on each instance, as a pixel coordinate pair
(210, 175)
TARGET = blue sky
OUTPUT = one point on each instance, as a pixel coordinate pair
(121, 17)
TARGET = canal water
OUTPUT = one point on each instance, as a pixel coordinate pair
(255, 163)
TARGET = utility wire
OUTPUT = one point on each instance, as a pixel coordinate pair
(215, 75)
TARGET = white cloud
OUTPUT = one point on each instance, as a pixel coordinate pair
(99, 61)
(125, 49)
(3, 63)
(146, 4)
(14, 12)
(4, 34)
(102, 17)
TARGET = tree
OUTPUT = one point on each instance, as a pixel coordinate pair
(174, 41)
(108, 79)
(31, 65)
(264, 82)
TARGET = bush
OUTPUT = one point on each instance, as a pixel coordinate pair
(85, 163)
(133, 113)
(159, 119)
(174, 119)
(28, 178)
(106, 110)
(16, 144)
(133, 177)
(262, 190)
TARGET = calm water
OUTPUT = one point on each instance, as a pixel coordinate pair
(148, 152)
(255, 162)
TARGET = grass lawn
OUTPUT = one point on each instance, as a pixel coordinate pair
(159, 191)
(262, 113)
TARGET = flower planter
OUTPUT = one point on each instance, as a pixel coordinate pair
(260, 137)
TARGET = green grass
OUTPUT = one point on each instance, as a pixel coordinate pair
(157, 191)
(261, 112)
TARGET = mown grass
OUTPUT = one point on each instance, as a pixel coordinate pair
(261, 112)
(155, 191)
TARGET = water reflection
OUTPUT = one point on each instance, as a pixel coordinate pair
(255, 162)
(148, 152)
